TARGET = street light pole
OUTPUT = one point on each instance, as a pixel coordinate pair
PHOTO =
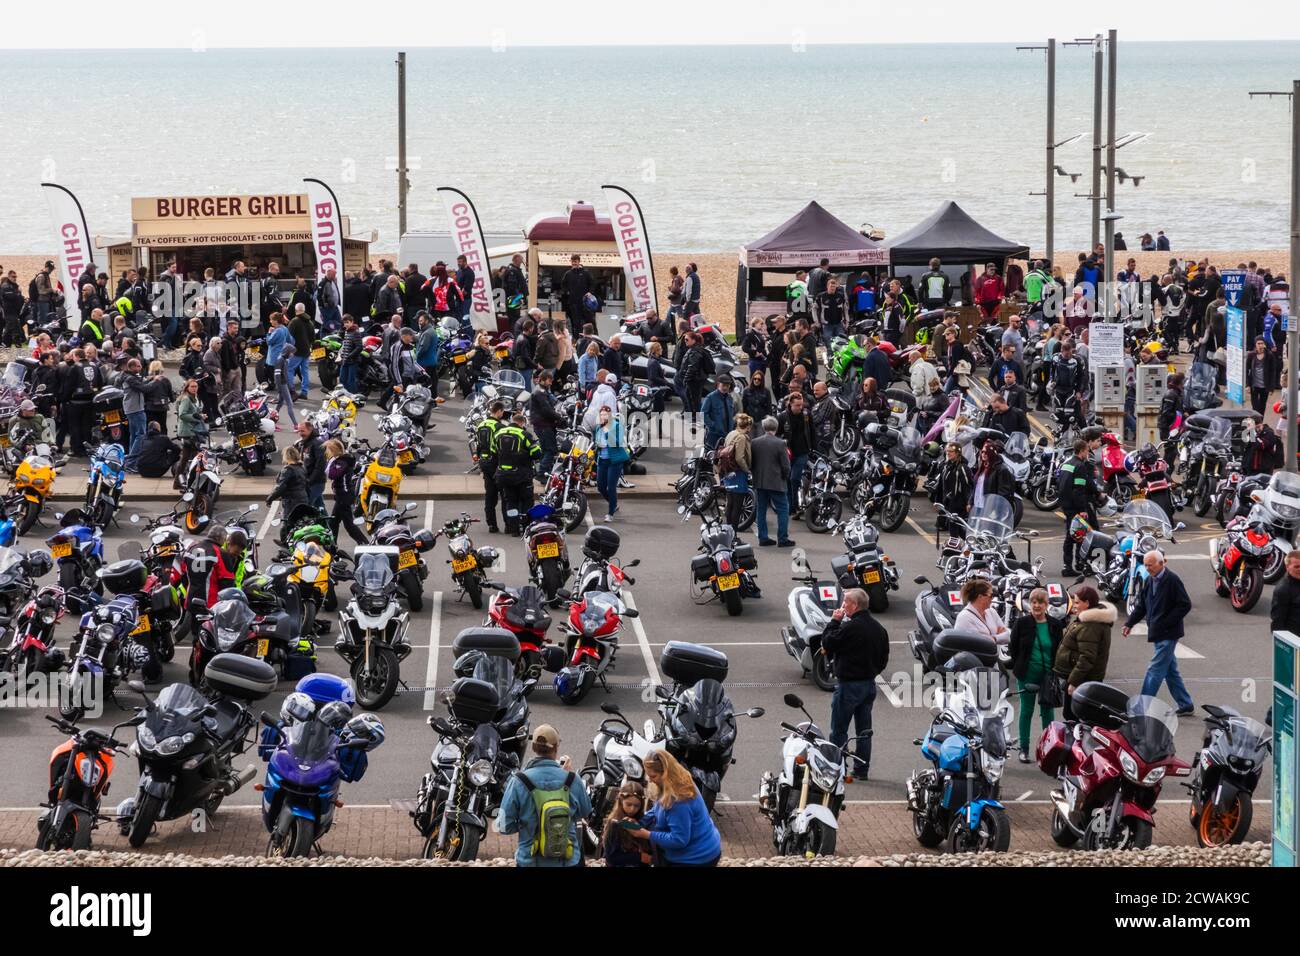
(1110, 133)
(1049, 188)
(401, 145)
(1293, 312)
(1096, 140)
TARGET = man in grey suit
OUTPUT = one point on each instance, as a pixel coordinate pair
(771, 463)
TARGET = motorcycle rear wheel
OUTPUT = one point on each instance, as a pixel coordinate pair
(1062, 835)
(926, 831)
(993, 833)
(1225, 828)
(475, 592)
(411, 588)
(877, 598)
(731, 600)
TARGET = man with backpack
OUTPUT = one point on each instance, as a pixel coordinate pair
(543, 804)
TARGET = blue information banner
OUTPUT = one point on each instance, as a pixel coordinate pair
(1236, 325)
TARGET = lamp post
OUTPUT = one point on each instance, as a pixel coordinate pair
(1049, 191)
(1293, 314)
(402, 183)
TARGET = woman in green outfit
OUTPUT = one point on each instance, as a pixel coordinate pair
(1033, 645)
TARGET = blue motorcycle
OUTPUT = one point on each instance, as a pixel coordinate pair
(955, 800)
(78, 551)
(104, 484)
(314, 746)
(104, 652)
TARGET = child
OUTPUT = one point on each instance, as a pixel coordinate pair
(619, 846)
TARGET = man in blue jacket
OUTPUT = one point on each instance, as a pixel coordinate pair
(519, 811)
(1164, 603)
(719, 413)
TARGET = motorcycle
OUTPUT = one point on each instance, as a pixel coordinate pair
(469, 565)
(316, 745)
(1117, 562)
(399, 432)
(188, 742)
(590, 646)
(522, 612)
(389, 528)
(372, 628)
(200, 489)
(381, 480)
(78, 550)
(234, 626)
(33, 483)
(104, 484)
(33, 636)
(1209, 465)
(810, 606)
(803, 802)
(108, 421)
(864, 565)
(1153, 478)
(699, 491)
(478, 749)
(574, 466)
(252, 427)
(955, 800)
(723, 569)
(548, 552)
(79, 774)
(1225, 772)
(1110, 763)
(105, 652)
(1237, 560)
(890, 468)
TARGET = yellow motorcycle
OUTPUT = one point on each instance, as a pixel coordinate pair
(344, 403)
(33, 483)
(380, 484)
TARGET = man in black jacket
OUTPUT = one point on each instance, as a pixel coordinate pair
(1164, 604)
(356, 296)
(158, 453)
(1005, 418)
(313, 463)
(860, 648)
(1284, 612)
(795, 426)
(545, 419)
(412, 294)
(514, 286)
(82, 381)
(574, 286)
(1078, 493)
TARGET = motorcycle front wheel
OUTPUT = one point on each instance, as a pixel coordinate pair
(377, 683)
(992, 834)
(820, 840)
(1062, 835)
(894, 512)
(1226, 827)
(1045, 497)
(1132, 834)
(575, 511)
(147, 810)
(822, 512)
(73, 834)
(1245, 591)
(823, 674)
(296, 842)
(1274, 566)
(1203, 499)
(31, 511)
(847, 440)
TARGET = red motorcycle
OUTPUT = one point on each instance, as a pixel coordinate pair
(1111, 761)
(1115, 475)
(33, 635)
(591, 644)
(1238, 559)
(1153, 478)
(522, 612)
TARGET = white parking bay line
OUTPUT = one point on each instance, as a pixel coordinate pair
(639, 628)
(428, 515)
(431, 670)
(266, 523)
(1186, 653)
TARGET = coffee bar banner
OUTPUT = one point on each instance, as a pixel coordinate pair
(467, 237)
(73, 240)
(634, 246)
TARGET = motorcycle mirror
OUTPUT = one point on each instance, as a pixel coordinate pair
(255, 506)
(920, 579)
(755, 712)
(1031, 688)
(1080, 579)
(611, 709)
(188, 496)
(633, 563)
(137, 686)
(662, 692)
(410, 506)
(681, 510)
(1180, 526)
(793, 700)
(135, 519)
(1031, 533)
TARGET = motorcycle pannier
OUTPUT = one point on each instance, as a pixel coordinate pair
(1053, 747)
(124, 577)
(473, 701)
(688, 663)
(1101, 704)
(164, 603)
(702, 567)
(950, 643)
(744, 555)
(496, 641)
(240, 677)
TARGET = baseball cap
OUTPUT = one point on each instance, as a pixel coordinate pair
(547, 735)
(611, 379)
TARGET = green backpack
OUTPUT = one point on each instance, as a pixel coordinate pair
(554, 818)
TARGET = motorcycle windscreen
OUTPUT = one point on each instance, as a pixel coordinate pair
(908, 450)
(373, 572)
(1244, 740)
(175, 711)
(497, 671)
(994, 517)
(1218, 436)
(1142, 514)
(1149, 728)
(231, 620)
(310, 741)
(705, 709)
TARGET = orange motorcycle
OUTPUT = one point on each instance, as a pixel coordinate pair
(80, 769)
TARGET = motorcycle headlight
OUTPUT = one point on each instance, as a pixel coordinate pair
(1154, 777)
(824, 773)
(309, 573)
(49, 617)
(145, 739)
(1130, 766)
(992, 766)
(106, 633)
(226, 638)
(632, 768)
(89, 770)
(480, 773)
(173, 744)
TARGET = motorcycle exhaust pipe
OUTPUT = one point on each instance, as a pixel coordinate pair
(235, 781)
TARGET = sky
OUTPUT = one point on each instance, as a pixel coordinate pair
(408, 24)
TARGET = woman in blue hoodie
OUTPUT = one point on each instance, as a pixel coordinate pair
(678, 824)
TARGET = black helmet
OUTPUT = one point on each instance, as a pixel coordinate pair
(38, 562)
(600, 543)
(258, 591)
(231, 594)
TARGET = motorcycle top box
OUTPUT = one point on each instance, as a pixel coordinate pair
(690, 663)
(601, 544)
(473, 701)
(494, 641)
(107, 399)
(1103, 705)
(240, 677)
(124, 577)
(949, 644)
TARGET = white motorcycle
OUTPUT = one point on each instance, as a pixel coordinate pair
(803, 803)
(617, 753)
(810, 606)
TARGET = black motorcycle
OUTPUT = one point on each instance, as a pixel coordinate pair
(1225, 773)
(188, 741)
(723, 569)
(698, 490)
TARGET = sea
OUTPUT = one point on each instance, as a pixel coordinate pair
(720, 144)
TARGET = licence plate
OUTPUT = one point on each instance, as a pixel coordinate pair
(112, 418)
(61, 550)
(263, 647)
(142, 627)
(872, 577)
(459, 359)
(318, 353)
(405, 457)
(247, 441)
(458, 566)
(551, 550)
(406, 560)
(166, 550)
(728, 582)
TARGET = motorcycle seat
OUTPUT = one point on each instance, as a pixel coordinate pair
(224, 722)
